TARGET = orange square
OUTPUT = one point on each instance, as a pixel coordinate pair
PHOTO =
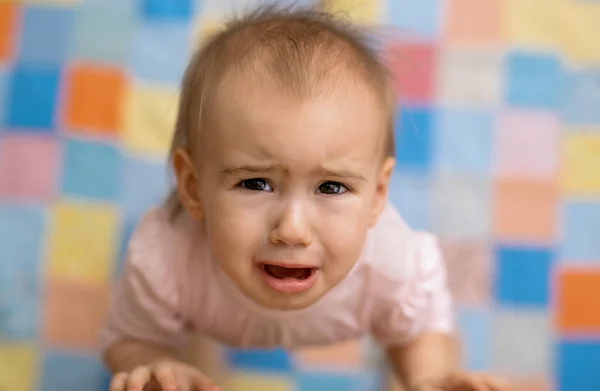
(474, 21)
(344, 355)
(74, 313)
(94, 99)
(575, 313)
(8, 22)
(525, 211)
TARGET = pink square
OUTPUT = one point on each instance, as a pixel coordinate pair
(28, 167)
(527, 145)
(469, 270)
(412, 66)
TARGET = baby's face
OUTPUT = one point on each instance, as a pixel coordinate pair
(289, 188)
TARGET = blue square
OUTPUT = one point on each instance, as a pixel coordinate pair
(523, 275)
(3, 95)
(413, 131)
(347, 381)
(577, 365)
(581, 98)
(32, 97)
(410, 193)
(93, 41)
(580, 233)
(21, 244)
(272, 361)
(63, 370)
(145, 185)
(159, 53)
(46, 35)
(474, 325)
(91, 169)
(534, 81)
(463, 142)
(167, 11)
(421, 18)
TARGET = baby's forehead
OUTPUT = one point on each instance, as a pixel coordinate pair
(299, 58)
(248, 112)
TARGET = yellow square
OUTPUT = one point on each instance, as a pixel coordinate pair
(364, 12)
(580, 22)
(203, 28)
(83, 242)
(580, 174)
(533, 22)
(150, 114)
(249, 382)
(19, 368)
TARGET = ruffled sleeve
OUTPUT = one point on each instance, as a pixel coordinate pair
(146, 304)
(409, 285)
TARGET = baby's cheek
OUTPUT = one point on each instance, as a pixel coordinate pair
(237, 230)
(344, 242)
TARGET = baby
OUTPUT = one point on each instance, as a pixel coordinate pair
(279, 231)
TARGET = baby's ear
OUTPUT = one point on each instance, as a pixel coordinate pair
(187, 183)
(383, 184)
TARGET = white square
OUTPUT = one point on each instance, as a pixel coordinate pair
(470, 77)
(522, 343)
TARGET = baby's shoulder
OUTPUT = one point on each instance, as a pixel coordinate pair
(395, 253)
(162, 239)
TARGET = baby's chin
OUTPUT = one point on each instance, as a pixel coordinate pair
(268, 298)
(289, 303)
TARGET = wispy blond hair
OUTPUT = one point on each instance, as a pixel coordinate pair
(300, 48)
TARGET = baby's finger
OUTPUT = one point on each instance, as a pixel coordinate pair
(497, 384)
(165, 376)
(138, 379)
(118, 382)
(204, 383)
(460, 382)
(478, 384)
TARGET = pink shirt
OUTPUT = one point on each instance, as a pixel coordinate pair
(171, 288)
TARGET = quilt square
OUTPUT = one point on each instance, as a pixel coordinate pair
(91, 170)
(68, 370)
(82, 242)
(32, 98)
(574, 287)
(29, 167)
(94, 99)
(523, 276)
(46, 37)
(74, 314)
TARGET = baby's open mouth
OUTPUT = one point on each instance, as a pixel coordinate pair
(282, 272)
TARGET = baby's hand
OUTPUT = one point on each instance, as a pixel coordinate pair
(163, 376)
(461, 381)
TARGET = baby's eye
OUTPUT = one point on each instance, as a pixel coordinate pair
(332, 188)
(255, 184)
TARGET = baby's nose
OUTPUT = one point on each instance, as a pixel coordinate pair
(292, 227)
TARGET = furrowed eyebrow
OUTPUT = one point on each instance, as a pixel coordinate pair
(346, 174)
(250, 169)
(342, 174)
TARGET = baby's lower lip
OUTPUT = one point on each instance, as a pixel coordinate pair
(290, 285)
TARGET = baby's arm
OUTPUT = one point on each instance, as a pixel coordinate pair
(430, 362)
(147, 323)
(431, 355)
(416, 324)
